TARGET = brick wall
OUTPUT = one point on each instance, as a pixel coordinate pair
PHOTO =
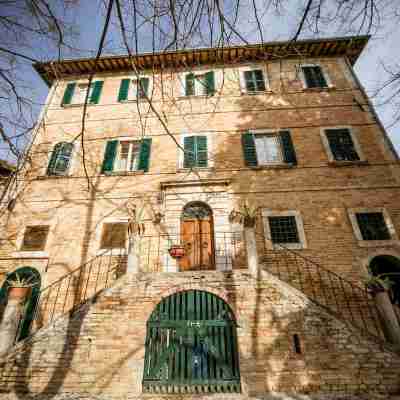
(100, 350)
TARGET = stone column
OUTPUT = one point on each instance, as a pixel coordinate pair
(133, 257)
(251, 249)
(388, 316)
(9, 325)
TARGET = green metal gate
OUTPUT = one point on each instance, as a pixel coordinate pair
(191, 346)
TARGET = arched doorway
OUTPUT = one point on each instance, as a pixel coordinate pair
(388, 266)
(191, 345)
(31, 301)
(197, 237)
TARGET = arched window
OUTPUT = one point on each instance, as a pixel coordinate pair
(191, 346)
(60, 159)
(386, 266)
(31, 301)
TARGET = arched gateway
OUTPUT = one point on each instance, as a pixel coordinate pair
(191, 345)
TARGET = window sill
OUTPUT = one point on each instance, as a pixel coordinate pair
(30, 254)
(43, 177)
(124, 173)
(200, 169)
(259, 92)
(141, 100)
(378, 243)
(112, 252)
(274, 166)
(76, 105)
(319, 89)
(335, 163)
(290, 246)
(197, 96)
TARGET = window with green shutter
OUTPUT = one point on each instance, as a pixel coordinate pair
(60, 159)
(200, 84)
(195, 152)
(314, 77)
(268, 148)
(254, 80)
(134, 89)
(191, 346)
(341, 144)
(127, 155)
(76, 93)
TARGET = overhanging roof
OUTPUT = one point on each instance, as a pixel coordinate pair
(351, 47)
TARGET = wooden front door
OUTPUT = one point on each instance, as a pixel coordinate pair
(197, 237)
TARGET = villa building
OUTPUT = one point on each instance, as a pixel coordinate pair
(204, 226)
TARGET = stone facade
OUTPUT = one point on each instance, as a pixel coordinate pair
(100, 350)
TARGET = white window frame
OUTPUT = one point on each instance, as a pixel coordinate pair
(253, 67)
(217, 81)
(72, 163)
(99, 231)
(116, 161)
(324, 73)
(372, 243)
(266, 213)
(38, 253)
(269, 132)
(181, 155)
(133, 80)
(353, 133)
(74, 100)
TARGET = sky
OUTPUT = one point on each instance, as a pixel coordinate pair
(89, 19)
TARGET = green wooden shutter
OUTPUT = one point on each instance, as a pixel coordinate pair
(68, 94)
(201, 151)
(144, 157)
(124, 90)
(289, 153)
(210, 82)
(259, 79)
(143, 88)
(189, 85)
(95, 97)
(53, 159)
(109, 156)
(190, 152)
(249, 81)
(249, 150)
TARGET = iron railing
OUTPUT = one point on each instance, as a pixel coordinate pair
(70, 291)
(219, 251)
(346, 300)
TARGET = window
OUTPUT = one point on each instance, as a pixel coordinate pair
(254, 80)
(75, 93)
(60, 159)
(127, 155)
(341, 145)
(314, 76)
(199, 84)
(35, 238)
(268, 148)
(114, 235)
(372, 226)
(196, 152)
(134, 89)
(283, 229)
(191, 346)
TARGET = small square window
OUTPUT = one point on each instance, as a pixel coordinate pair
(372, 226)
(283, 229)
(114, 235)
(314, 77)
(35, 238)
(254, 80)
(128, 155)
(139, 89)
(341, 144)
(80, 93)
